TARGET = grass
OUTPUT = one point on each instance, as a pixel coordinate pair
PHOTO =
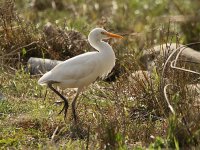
(129, 113)
(105, 110)
(30, 121)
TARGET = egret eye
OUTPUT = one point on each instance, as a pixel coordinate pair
(103, 33)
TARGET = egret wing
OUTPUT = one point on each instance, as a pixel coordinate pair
(76, 68)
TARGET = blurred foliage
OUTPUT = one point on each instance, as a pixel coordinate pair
(126, 114)
(141, 21)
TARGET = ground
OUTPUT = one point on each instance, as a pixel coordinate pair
(126, 111)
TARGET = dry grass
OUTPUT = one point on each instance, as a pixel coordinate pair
(131, 112)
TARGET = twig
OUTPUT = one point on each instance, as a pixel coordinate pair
(182, 69)
(11, 53)
(174, 53)
(174, 63)
(166, 98)
(178, 55)
(54, 133)
(9, 67)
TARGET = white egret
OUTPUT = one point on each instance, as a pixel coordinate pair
(80, 71)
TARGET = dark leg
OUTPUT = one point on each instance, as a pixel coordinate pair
(45, 94)
(74, 106)
(59, 101)
(66, 105)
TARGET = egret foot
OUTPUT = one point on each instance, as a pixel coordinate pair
(65, 108)
(66, 105)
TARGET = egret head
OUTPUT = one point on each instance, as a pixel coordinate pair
(100, 34)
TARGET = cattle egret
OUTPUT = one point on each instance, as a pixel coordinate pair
(80, 71)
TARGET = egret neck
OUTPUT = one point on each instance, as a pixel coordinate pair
(106, 52)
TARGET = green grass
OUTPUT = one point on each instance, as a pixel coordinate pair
(28, 121)
(125, 114)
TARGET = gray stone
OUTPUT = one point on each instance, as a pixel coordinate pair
(160, 52)
(40, 66)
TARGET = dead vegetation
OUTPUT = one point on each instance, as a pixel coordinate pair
(157, 109)
(21, 40)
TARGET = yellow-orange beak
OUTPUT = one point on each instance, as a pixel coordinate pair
(112, 35)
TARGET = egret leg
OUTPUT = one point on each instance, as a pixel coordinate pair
(45, 94)
(74, 106)
(66, 105)
(59, 101)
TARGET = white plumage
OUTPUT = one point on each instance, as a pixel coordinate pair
(80, 71)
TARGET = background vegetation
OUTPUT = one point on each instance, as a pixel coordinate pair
(129, 112)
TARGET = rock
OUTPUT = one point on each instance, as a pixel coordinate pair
(151, 56)
(40, 66)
